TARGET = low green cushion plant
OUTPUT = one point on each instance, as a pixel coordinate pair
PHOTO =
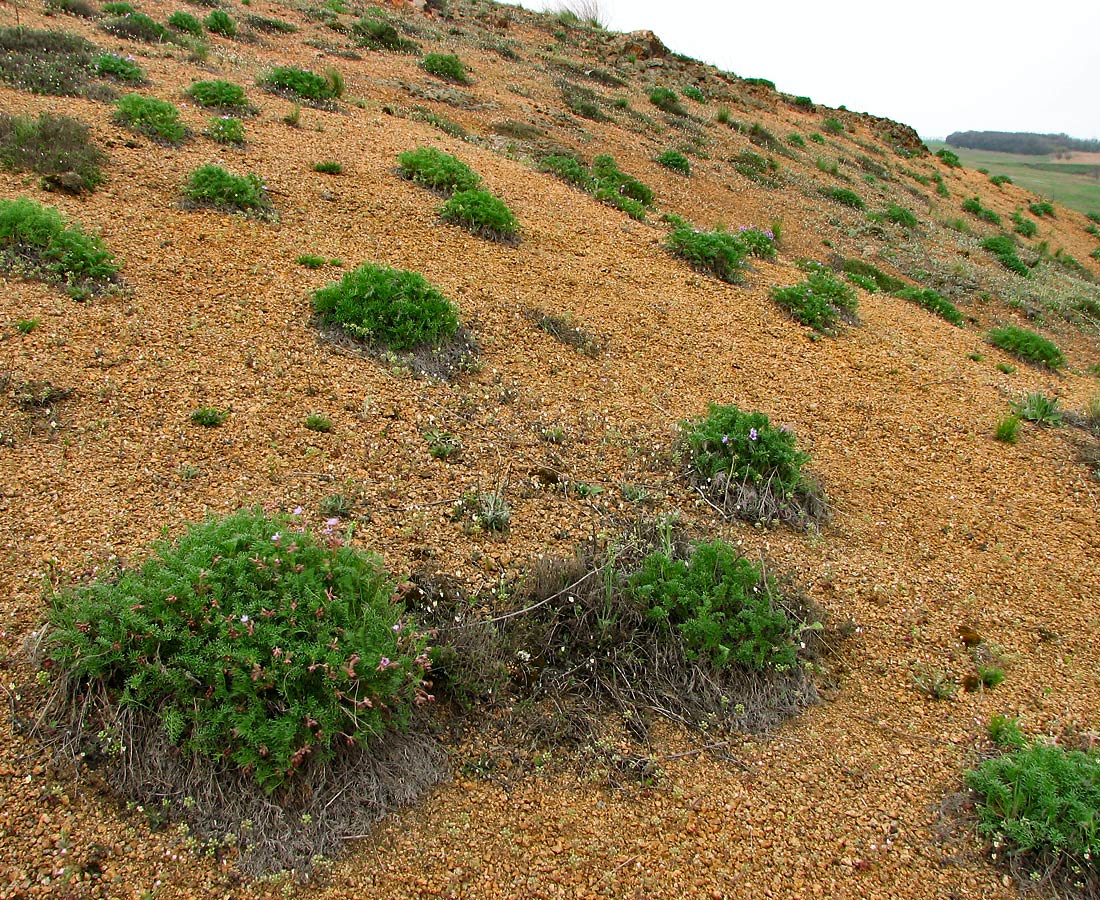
(220, 22)
(605, 181)
(899, 215)
(154, 118)
(119, 68)
(218, 94)
(974, 206)
(882, 280)
(1003, 247)
(570, 171)
(378, 34)
(1023, 227)
(676, 161)
(185, 22)
(137, 27)
(56, 147)
(38, 241)
(57, 63)
(667, 100)
(1028, 346)
(820, 301)
(949, 158)
(716, 252)
(844, 196)
(249, 642)
(482, 213)
(213, 186)
(446, 66)
(933, 302)
(392, 307)
(1041, 208)
(226, 130)
(721, 605)
(437, 170)
(301, 84)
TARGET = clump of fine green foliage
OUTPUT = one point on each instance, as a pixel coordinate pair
(1041, 208)
(1037, 805)
(721, 253)
(301, 84)
(378, 34)
(1004, 249)
(949, 158)
(676, 161)
(56, 147)
(437, 170)
(1023, 227)
(820, 301)
(185, 22)
(844, 196)
(226, 130)
(933, 302)
(157, 119)
(974, 206)
(137, 27)
(721, 605)
(482, 213)
(446, 66)
(899, 215)
(220, 22)
(57, 63)
(213, 186)
(392, 307)
(667, 100)
(881, 280)
(273, 650)
(1028, 346)
(218, 94)
(119, 68)
(36, 241)
(604, 180)
(1039, 408)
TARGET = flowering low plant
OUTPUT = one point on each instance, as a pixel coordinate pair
(250, 642)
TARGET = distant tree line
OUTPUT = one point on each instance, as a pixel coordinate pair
(1021, 142)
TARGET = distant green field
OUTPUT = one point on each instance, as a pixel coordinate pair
(1071, 184)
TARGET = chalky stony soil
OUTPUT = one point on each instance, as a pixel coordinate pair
(936, 525)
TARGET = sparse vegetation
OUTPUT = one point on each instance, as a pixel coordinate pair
(844, 196)
(974, 206)
(1039, 408)
(667, 100)
(56, 147)
(604, 180)
(1023, 227)
(933, 302)
(387, 306)
(1041, 208)
(1028, 346)
(157, 119)
(482, 213)
(45, 62)
(1004, 249)
(446, 66)
(378, 34)
(214, 187)
(137, 26)
(820, 302)
(185, 22)
(220, 22)
(210, 416)
(949, 158)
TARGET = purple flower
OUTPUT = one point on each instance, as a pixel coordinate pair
(297, 511)
(753, 434)
(725, 439)
(333, 522)
(276, 536)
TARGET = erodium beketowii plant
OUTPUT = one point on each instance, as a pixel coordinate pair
(249, 641)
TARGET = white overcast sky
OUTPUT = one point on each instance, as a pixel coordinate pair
(949, 66)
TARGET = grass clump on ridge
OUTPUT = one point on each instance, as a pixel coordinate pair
(934, 302)
(212, 186)
(56, 147)
(1004, 249)
(750, 468)
(446, 66)
(667, 100)
(218, 94)
(1037, 803)
(45, 62)
(1028, 346)
(439, 171)
(820, 301)
(283, 664)
(482, 213)
(391, 307)
(36, 241)
(157, 119)
(303, 85)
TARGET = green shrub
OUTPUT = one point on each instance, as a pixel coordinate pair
(862, 281)
(1093, 217)
(820, 301)
(37, 241)
(137, 26)
(446, 66)
(185, 22)
(157, 119)
(1000, 179)
(804, 102)
(721, 605)
(883, 281)
(817, 138)
(582, 101)
(604, 180)
(56, 147)
(833, 126)
(758, 242)
(1007, 428)
(716, 252)
(1024, 227)
(210, 416)
(311, 261)
(318, 422)
(482, 213)
(676, 161)
(666, 100)
(1041, 208)
(301, 84)
(1037, 803)
(213, 186)
(949, 158)
(78, 8)
(844, 196)
(796, 140)
(694, 93)
(377, 34)
(756, 167)
(329, 167)
(386, 306)
(761, 82)
(306, 653)
(226, 130)
(437, 170)
(119, 68)
(570, 171)
(269, 26)
(899, 215)
(220, 22)
(218, 94)
(933, 302)
(974, 207)
(722, 117)
(443, 444)
(1027, 345)
(45, 62)
(118, 8)
(1040, 409)
(1004, 249)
